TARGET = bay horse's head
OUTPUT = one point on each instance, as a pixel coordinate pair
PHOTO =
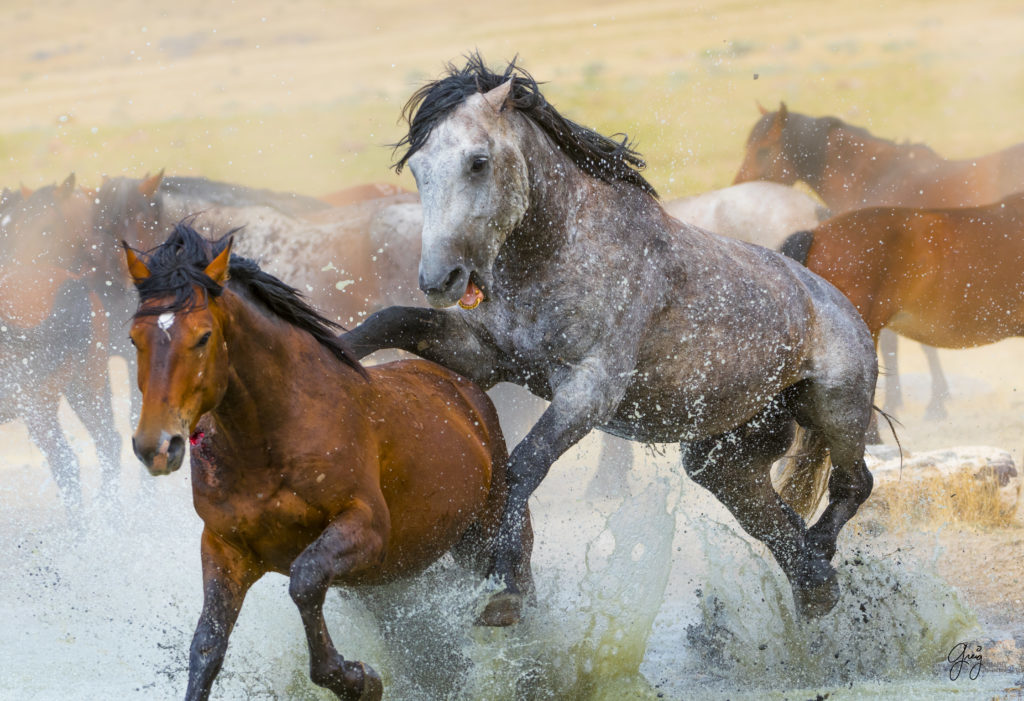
(128, 209)
(179, 338)
(766, 157)
(467, 147)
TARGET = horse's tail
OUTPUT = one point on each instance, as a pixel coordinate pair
(797, 245)
(803, 480)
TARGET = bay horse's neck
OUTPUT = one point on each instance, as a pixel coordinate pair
(857, 168)
(269, 359)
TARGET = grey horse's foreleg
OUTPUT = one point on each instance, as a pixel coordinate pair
(588, 397)
(435, 334)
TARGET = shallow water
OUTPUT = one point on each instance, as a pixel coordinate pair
(651, 596)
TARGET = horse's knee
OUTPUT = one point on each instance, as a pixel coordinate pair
(307, 582)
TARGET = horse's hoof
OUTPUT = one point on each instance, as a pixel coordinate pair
(504, 609)
(373, 687)
(818, 593)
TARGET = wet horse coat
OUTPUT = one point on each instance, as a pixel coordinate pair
(576, 284)
(303, 462)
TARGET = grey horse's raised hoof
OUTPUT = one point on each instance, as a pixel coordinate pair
(818, 591)
(504, 609)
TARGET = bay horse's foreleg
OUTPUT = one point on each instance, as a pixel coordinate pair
(936, 410)
(349, 544)
(888, 345)
(587, 398)
(45, 431)
(227, 576)
(434, 334)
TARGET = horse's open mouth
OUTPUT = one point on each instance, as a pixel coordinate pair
(473, 294)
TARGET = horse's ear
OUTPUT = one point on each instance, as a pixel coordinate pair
(783, 112)
(497, 97)
(149, 184)
(26, 192)
(761, 109)
(217, 270)
(136, 268)
(66, 188)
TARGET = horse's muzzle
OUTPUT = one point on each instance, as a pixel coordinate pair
(445, 289)
(161, 457)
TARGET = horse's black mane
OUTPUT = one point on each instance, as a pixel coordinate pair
(596, 155)
(176, 269)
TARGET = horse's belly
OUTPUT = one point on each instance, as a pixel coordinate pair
(701, 405)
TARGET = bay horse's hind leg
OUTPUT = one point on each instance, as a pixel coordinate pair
(735, 467)
(936, 409)
(348, 544)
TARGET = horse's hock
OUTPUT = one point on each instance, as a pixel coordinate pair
(971, 484)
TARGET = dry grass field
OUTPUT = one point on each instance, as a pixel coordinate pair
(306, 95)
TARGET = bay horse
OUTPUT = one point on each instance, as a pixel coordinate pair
(948, 277)
(549, 263)
(53, 332)
(849, 168)
(304, 462)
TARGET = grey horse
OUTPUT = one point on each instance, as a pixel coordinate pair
(550, 264)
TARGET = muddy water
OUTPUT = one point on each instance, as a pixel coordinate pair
(649, 595)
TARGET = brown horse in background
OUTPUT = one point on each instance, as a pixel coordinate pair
(303, 462)
(849, 168)
(950, 277)
(53, 331)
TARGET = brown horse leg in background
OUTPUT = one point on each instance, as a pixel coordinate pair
(40, 417)
(89, 394)
(887, 346)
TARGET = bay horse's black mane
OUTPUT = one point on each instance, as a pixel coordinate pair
(598, 156)
(176, 268)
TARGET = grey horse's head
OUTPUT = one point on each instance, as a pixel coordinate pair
(472, 180)
(474, 138)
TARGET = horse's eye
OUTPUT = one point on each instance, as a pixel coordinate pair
(478, 164)
(203, 340)
(132, 341)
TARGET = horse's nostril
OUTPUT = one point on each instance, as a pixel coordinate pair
(175, 450)
(452, 278)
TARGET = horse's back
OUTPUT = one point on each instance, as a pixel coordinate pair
(758, 212)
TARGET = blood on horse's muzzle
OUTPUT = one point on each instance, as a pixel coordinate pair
(161, 457)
